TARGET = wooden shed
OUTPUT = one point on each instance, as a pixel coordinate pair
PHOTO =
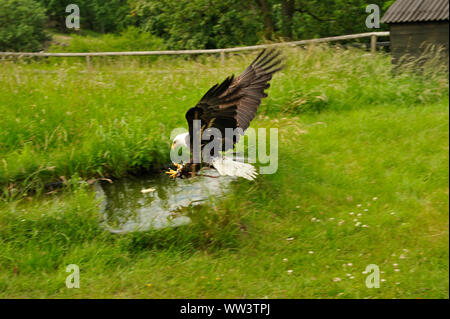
(414, 24)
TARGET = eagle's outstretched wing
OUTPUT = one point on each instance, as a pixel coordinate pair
(233, 103)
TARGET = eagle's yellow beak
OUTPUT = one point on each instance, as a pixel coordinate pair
(173, 146)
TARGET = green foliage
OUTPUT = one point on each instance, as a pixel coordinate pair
(322, 18)
(198, 24)
(131, 39)
(96, 15)
(21, 25)
(215, 24)
(337, 79)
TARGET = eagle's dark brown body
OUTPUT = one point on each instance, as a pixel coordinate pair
(231, 105)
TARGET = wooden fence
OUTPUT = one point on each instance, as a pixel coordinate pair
(372, 35)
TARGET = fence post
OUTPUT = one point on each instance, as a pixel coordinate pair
(88, 62)
(222, 57)
(373, 43)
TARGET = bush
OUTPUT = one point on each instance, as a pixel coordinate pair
(21, 25)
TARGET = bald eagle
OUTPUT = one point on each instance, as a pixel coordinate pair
(230, 105)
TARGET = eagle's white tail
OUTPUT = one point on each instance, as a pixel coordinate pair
(226, 166)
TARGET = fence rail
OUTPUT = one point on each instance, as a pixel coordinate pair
(373, 41)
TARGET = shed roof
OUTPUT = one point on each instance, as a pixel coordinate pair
(417, 11)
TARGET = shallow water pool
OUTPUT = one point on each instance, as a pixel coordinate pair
(155, 202)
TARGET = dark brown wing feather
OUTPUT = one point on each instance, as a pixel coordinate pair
(234, 102)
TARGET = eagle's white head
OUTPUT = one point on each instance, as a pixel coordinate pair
(180, 140)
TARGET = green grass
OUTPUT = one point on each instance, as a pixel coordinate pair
(131, 39)
(350, 131)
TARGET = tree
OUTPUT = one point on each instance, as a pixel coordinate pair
(288, 11)
(194, 24)
(22, 25)
(264, 6)
(96, 15)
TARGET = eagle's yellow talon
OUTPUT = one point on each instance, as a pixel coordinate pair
(175, 173)
(172, 173)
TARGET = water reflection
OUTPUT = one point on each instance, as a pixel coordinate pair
(126, 208)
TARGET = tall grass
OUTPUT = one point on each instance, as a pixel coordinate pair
(367, 186)
(362, 179)
(60, 119)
